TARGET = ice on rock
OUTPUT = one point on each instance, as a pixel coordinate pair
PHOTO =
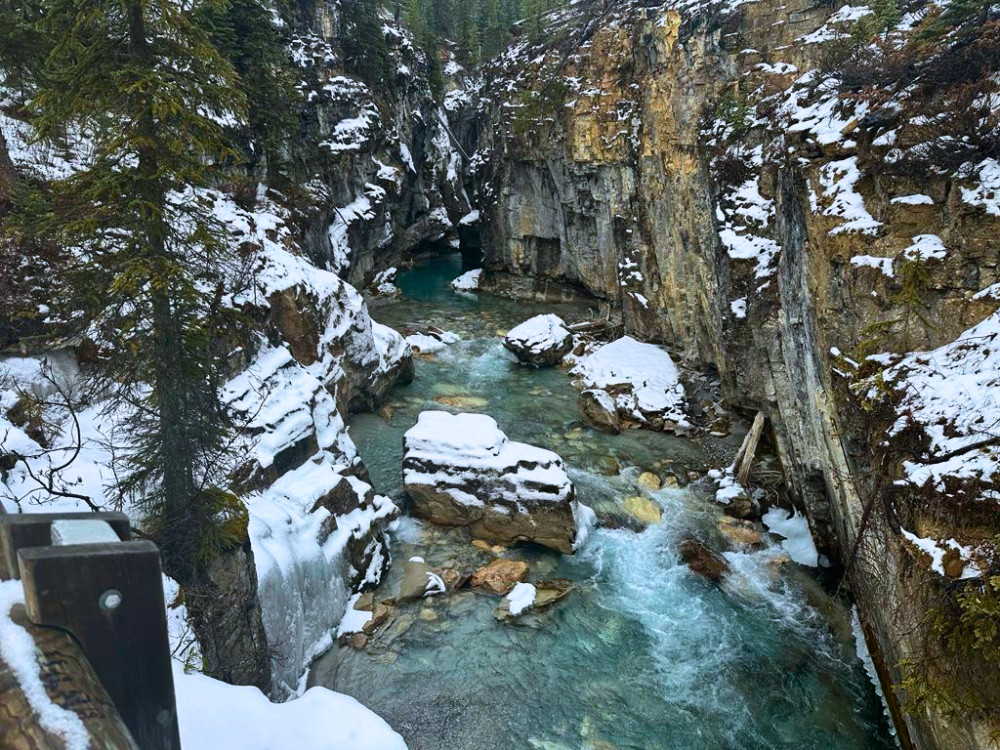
(540, 341)
(461, 470)
(643, 380)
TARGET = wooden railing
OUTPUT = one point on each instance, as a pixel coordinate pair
(94, 607)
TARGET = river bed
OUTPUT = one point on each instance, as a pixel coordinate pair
(642, 654)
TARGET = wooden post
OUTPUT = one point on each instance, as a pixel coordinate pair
(70, 682)
(744, 458)
(21, 530)
(110, 598)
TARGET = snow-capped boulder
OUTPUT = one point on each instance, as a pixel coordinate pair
(541, 341)
(468, 281)
(641, 379)
(461, 470)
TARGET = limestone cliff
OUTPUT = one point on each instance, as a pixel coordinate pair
(704, 170)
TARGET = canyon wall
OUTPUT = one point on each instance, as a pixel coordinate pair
(689, 168)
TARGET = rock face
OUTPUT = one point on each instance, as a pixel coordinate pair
(541, 341)
(640, 379)
(461, 470)
(765, 268)
(226, 616)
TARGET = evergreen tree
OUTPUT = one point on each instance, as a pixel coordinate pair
(23, 45)
(243, 31)
(362, 40)
(141, 79)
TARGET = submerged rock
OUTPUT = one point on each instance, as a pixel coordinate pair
(541, 341)
(461, 470)
(500, 575)
(704, 561)
(740, 532)
(462, 402)
(649, 481)
(643, 510)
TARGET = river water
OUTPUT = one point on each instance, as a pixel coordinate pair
(642, 654)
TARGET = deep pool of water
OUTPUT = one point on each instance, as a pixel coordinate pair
(642, 654)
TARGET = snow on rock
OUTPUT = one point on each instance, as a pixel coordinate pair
(541, 341)
(432, 341)
(925, 247)
(745, 219)
(952, 394)
(873, 261)
(521, 598)
(916, 199)
(794, 527)
(986, 191)
(839, 179)
(468, 281)
(461, 470)
(642, 379)
(215, 715)
(964, 565)
(316, 535)
(19, 654)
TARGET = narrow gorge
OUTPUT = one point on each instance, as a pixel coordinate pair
(634, 386)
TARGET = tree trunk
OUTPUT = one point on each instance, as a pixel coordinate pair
(8, 175)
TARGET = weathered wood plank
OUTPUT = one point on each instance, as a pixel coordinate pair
(21, 530)
(110, 598)
(70, 682)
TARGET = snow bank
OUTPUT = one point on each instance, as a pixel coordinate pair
(215, 715)
(643, 379)
(798, 541)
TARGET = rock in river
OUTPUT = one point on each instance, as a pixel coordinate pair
(541, 341)
(500, 575)
(642, 381)
(461, 470)
(703, 561)
(599, 409)
(419, 581)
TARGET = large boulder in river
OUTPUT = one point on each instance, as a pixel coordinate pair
(461, 470)
(642, 381)
(599, 409)
(541, 341)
